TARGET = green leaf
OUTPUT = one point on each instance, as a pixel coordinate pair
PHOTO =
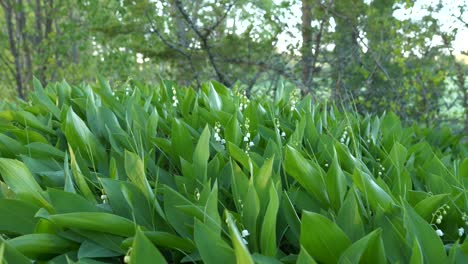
(397, 156)
(164, 239)
(90, 249)
(43, 99)
(417, 256)
(349, 217)
(80, 179)
(289, 212)
(321, 238)
(417, 228)
(304, 257)
(38, 246)
(10, 255)
(18, 177)
(181, 140)
(143, 251)
(17, 216)
(79, 136)
(61, 202)
(268, 231)
(336, 183)
(429, 205)
(201, 155)
(206, 240)
(232, 131)
(240, 249)
(250, 206)
(212, 217)
(98, 222)
(214, 99)
(307, 175)
(134, 167)
(11, 147)
(374, 194)
(368, 249)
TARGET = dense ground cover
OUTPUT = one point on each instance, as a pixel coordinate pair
(166, 174)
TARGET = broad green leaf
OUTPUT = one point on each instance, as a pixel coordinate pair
(42, 99)
(289, 212)
(321, 238)
(79, 178)
(18, 177)
(79, 136)
(61, 202)
(232, 131)
(307, 175)
(417, 228)
(201, 155)
(240, 249)
(212, 217)
(304, 257)
(417, 256)
(164, 239)
(373, 193)
(349, 217)
(429, 205)
(206, 240)
(398, 156)
(90, 249)
(11, 147)
(95, 221)
(214, 99)
(134, 167)
(268, 230)
(336, 183)
(181, 140)
(10, 255)
(368, 249)
(37, 246)
(17, 216)
(143, 251)
(250, 206)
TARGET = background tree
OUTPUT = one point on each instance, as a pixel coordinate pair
(351, 52)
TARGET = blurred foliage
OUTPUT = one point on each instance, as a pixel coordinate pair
(359, 53)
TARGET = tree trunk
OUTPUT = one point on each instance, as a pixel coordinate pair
(8, 9)
(306, 49)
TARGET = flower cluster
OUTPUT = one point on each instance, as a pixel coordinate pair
(465, 218)
(345, 137)
(438, 216)
(271, 94)
(244, 100)
(381, 169)
(245, 233)
(217, 137)
(278, 128)
(247, 138)
(174, 97)
(127, 256)
(103, 197)
(295, 96)
(461, 231)
(127, 91)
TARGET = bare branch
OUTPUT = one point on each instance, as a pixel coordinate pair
(204, 41)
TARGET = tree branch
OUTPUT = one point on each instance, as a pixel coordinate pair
(204, 41)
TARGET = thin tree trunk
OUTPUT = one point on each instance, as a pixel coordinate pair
(23, 44)
(306, 49)
(8, 9)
